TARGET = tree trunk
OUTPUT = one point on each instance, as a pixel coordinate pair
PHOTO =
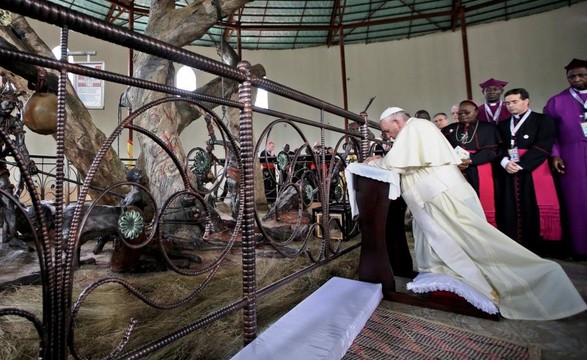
(167, 121)
(178, 27)
(82, 137)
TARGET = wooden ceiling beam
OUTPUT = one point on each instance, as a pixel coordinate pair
(413, 9)
(128, 4)
(333, 28)
(456, 5)
(333, 23)
(114, 13)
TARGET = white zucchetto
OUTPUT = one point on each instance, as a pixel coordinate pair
(389, 111)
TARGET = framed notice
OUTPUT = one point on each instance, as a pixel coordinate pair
(90, 90)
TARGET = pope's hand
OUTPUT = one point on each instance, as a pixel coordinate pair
(371, 158)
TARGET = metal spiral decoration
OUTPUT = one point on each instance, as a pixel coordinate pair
(202, 162)
(282, 160)
(131, 224)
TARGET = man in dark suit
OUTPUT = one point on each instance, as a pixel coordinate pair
(527, 208)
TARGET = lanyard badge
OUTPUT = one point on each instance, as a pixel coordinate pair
(513, 154)
(584, 128)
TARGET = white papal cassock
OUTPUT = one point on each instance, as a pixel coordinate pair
(453, 237)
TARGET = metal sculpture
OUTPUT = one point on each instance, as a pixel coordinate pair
(56, 329)
(12, 129)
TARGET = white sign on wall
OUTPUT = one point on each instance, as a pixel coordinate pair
(90, 90)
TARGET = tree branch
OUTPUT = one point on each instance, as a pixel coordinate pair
(182, 26)
(213, 88)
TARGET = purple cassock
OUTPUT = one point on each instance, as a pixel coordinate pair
(571, 146)
(493, 113)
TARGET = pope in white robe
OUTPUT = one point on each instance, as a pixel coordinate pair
(453, 237)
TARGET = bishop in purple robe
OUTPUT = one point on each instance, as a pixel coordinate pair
(569, 152)
(493, 110)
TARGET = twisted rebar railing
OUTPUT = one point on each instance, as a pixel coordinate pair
(56, 330)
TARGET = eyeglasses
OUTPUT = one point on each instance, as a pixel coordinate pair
(464, 112)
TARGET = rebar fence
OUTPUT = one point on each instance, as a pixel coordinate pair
(174, 218)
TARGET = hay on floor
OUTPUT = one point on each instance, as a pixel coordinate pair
(105, 314)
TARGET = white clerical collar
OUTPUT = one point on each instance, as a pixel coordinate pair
(492, 104)
(521, 114)
(581, 91)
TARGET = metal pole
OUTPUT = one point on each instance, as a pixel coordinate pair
(247, 203)
(343, 74)
(465, 52)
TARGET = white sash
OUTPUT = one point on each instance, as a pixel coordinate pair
(490, 114)
(515, 129)
(578, 98)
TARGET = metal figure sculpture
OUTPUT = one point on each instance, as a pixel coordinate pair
(12, 140)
